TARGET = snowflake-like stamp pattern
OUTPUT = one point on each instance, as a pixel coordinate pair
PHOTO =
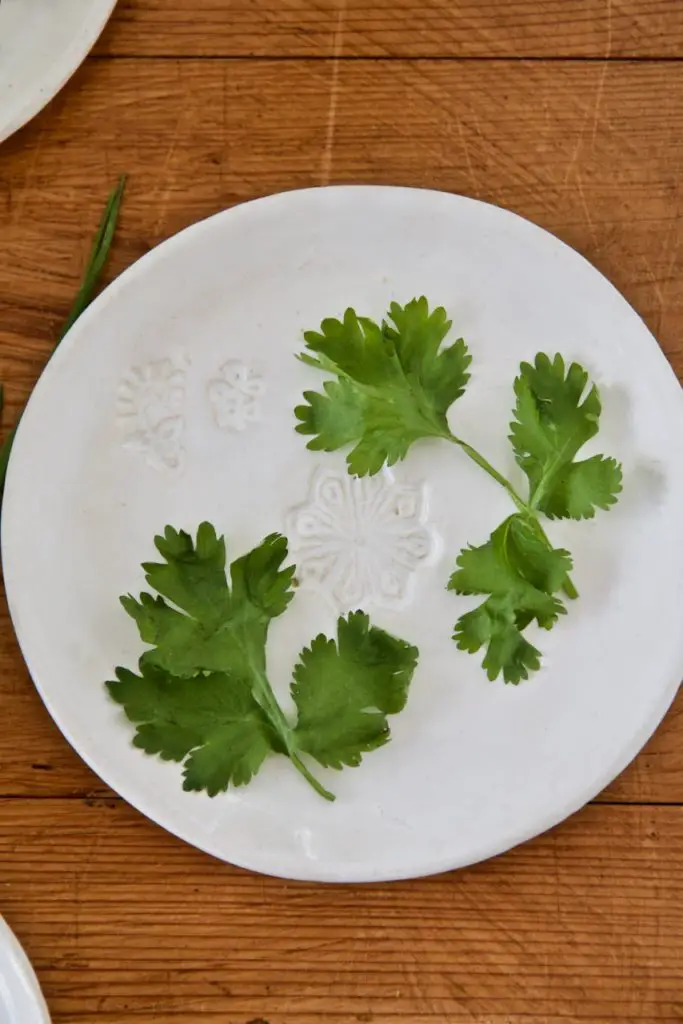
(361, 540)
(150, 412)
(235, 396)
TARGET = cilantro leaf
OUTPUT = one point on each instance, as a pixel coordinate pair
(495, 625)
(345, 690)
(395, 384)
(212, 722)
(209, 626)
(554, 418)
(202, 695)
(581, 488)
(521, 573)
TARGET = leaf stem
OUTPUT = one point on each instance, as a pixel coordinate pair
(527, 509)
(492, 472)
(95, 265)
(317, 786)
(268, 701)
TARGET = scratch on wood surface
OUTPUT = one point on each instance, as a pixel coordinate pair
(337, 47)
(586, 209)
(603, 72)
(667, 282)
(608, 52)
(593, 114)
(659, 295)
(224, 130)
(474, 181)
(574, 158)
(84, 872)
(598, 100)
(28, 179)
(164, 192)
(164, 184)
(576, 152)
(671, 247)
(6, 193)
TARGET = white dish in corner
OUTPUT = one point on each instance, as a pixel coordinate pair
(206, 326)
(42, 43)
(21, 1001)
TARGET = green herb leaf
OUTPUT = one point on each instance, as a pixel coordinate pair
(395, 384)
(212, 722)
(521, 573)
(210, 627)
(97, 259)
(345, 690)
(203, 695)
(554, 418)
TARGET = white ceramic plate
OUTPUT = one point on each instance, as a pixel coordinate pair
(42, 42)
(171, 401)
(21, 1001)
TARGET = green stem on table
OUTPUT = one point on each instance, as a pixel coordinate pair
(98, 256)
(526, 508)
(93, 270)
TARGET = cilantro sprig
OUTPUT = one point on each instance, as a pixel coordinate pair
(393, 384)
(201, 694)
(521, 574)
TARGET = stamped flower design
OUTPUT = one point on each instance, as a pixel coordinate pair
(235, 396)
(149, 407)
(361, 540)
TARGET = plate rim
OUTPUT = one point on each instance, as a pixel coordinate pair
(316, 872)
(23, 972)
(59, 72)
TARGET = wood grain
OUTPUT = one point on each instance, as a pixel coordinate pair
(124, 922)
(590, 151)
(404, 28)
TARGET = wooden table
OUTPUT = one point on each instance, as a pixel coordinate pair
(571, 113)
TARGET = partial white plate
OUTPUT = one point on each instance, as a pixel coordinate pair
(42, 42)
(21, 1001)
(474, 767)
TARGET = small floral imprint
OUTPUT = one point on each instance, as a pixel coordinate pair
(361, 540)
(150, 402)
(235, 396)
